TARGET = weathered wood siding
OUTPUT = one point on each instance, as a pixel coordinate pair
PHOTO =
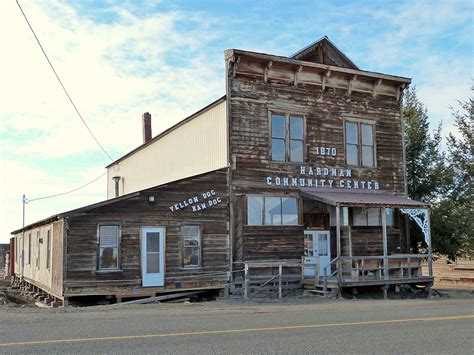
(254, 91)
(36, 269)
(82, 276)
(57, 258)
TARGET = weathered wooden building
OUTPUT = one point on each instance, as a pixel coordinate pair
(300, 166)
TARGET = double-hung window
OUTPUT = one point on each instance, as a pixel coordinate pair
(360, 145)
(109, 247)
(191, 246)
(287, 142)
(271, 211)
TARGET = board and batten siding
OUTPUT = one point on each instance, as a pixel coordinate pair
(36, 269)
(197, 146)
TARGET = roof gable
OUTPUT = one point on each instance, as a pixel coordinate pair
(323, 51)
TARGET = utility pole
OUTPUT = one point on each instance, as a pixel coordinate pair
(24, 200)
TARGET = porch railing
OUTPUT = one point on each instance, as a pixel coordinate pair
(383, 267)
(370, 268)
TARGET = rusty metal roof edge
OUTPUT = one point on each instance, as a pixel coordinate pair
(324, 195)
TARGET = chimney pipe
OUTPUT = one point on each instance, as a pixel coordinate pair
(116, 181)
(146, 124)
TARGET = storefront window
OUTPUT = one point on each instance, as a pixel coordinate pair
(272, 211)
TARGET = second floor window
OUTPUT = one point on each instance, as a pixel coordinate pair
(359, 143)
(287, 137)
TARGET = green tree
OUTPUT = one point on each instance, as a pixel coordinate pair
(427, 173)
(453, 218)
(425, 163)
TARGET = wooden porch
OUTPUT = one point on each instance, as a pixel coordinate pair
(359, 271)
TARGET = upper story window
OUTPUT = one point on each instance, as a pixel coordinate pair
(287, 137)
(109, 247)
(360, 143)
(271, 211)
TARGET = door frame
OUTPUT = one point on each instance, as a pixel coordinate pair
(161, 280)
(314, 234)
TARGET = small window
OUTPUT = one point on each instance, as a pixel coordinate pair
(359, 144)
(287, 137)
(109, 243)
(48, 249)
(255, 210)
(367, 216)
(344, 216)
(191, 246)
(272, 211)
(38, 249)
(390, 217)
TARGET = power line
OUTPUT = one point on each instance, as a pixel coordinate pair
(64, 193)
(62, 85)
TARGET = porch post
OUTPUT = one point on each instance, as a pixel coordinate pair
(338, 238)
(430, 250)
(385, 244)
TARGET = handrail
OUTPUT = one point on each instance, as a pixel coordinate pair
(325, 285)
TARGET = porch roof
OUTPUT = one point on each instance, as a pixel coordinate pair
(362, 198)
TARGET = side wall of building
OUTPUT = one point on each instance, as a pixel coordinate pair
(195, 147)
(82, 238)
(36, 261)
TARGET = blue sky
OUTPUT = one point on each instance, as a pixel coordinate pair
(121, 58)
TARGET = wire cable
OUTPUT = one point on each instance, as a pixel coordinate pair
(67, 192)
(62, 85)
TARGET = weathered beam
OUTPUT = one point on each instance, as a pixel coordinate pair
(266, 71)
(351, 83)
(376, 87)
(162, 298)
(297, 72)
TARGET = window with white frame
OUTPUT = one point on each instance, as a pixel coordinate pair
(272, 210)
(287, 137)
(191, 246)
(109, 247)
(360, 146)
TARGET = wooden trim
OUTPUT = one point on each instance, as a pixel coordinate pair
(323, 67)
(383, 212)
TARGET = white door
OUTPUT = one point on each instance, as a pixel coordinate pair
(152, 242)
(317, 244)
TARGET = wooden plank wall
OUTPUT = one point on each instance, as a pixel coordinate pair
(252, 96)
(57, 257)
(131, 215)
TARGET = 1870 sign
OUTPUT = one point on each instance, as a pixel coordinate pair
(323, 177)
